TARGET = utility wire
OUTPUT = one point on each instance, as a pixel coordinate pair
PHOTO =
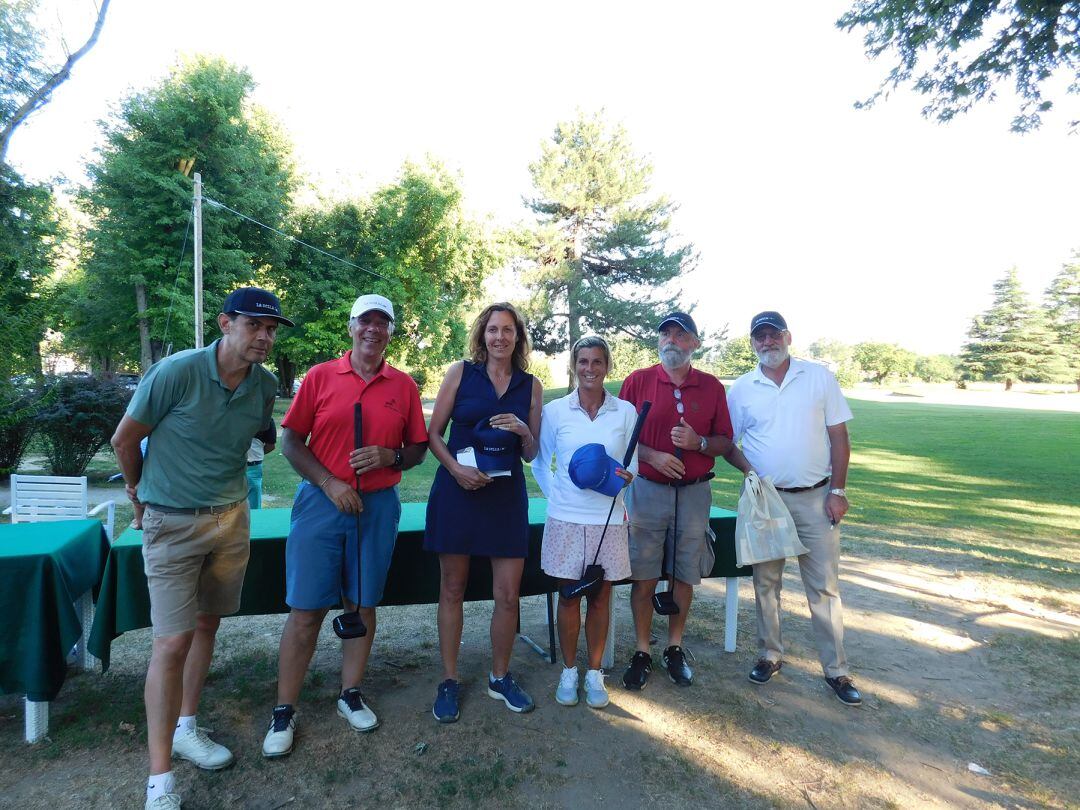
(176, 281)
(217, 204)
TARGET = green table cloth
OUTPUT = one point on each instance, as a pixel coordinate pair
(45, 567)
(124, 602)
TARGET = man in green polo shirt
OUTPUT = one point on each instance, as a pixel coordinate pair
(201, 408)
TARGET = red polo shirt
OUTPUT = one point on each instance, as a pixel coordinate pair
(323, 411)
(704, 406)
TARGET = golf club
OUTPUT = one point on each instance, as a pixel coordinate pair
(593, 575)
(664, 602)
(349, 624)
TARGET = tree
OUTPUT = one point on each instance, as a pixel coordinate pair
(424, 254)
(883, 360)
(935, 368)
(733, 358)
(198, 118)
(1011, 341)
(1063, 311)
(839, 357)
(28, 82)
(603, 246)
(957, 52)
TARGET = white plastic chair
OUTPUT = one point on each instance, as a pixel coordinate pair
(38, 498)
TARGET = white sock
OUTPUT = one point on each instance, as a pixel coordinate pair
(159, 785)
(184, 724)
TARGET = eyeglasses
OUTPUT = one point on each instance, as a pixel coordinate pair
(679, 407)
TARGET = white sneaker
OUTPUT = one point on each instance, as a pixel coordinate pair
(351, 706)
(166, 801)
(567, 693)
(596, 696)
(194, 746)
(278, 741)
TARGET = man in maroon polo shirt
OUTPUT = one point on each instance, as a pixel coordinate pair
(687, 428)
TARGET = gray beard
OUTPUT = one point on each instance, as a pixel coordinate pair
(673, 357)
(774, 358)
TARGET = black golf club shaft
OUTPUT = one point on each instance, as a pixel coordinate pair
(358, 442)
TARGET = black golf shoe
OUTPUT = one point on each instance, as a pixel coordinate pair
(637, 673)
(764, 669)
(845, 690)
(677, 668)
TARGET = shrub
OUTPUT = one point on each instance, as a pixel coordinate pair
(79, 420)
(18, 412)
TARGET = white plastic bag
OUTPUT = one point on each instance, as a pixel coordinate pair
(764, 529)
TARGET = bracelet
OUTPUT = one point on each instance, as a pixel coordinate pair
(328, 477)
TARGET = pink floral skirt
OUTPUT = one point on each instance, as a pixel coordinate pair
(566, 545)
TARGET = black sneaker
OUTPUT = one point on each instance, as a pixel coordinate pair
(845, 690)
(764, 669)
(677, 668)
(637, 673)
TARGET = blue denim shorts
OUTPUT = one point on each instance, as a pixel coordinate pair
(320, 554)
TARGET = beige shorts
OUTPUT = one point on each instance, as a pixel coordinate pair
(194, 564)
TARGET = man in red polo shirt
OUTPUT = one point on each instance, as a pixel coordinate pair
(687, 428)
(320, 555)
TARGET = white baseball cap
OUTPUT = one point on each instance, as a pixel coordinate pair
(372, 303)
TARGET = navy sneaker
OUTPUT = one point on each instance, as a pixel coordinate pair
(515, 698)
(446, 702)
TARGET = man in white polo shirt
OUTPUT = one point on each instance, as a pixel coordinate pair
(792, 419)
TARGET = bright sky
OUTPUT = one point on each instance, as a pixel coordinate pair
(856, 225)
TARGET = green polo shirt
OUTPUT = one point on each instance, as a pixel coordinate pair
(197, 453)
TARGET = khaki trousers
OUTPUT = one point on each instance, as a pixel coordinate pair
(820, 570)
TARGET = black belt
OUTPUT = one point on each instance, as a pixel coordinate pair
(818, 485)
(253, 463)
(678, 482)
(196, 510)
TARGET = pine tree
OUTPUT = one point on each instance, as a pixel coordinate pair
(1012, 341)
(603, 245)
(1063, 311)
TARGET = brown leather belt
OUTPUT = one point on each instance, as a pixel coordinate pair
(818, 485)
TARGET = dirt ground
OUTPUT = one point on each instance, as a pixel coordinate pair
(958, 663)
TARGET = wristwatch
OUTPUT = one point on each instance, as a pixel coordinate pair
(399, 460)
(839, 492)
(704, 444)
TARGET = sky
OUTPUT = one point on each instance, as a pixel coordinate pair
(855, 224)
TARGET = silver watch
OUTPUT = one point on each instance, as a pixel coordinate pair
(704, 444)
(839, 492)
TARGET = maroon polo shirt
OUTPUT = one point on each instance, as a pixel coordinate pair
(705, 410)
(323, 410)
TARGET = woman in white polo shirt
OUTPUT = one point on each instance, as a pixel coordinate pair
(575, 517)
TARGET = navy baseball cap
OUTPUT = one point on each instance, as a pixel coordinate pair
(682, 319)
(767, 318)
(495, 448)
(255, 302)
(592, 468)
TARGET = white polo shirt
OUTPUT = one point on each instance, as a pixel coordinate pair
(783, 427)
(564, 427)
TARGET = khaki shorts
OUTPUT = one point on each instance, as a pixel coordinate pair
(194, 564)
(651, 510)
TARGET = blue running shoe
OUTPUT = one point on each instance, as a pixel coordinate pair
(446, 702)
(515, 698)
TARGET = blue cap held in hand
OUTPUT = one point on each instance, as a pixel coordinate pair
(592, 468)
(495, 448)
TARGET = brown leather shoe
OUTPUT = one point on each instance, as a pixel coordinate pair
(764, 669)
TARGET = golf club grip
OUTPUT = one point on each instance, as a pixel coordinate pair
(358, 426)
(635, 433)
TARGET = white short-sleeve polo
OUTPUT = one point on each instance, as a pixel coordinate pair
(782, 428)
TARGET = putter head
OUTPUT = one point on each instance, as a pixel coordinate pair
(349, 625)
(664, 603)
(588, 585)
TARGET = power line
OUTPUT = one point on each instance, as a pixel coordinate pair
(217, 204)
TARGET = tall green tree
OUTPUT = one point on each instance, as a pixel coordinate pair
(28, 80)
(883, 360)
(603, 255)
(1012, 340)
(957, 52)
(1062, 302)
(423, 252)
(199, 118)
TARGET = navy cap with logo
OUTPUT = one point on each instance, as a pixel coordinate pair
(592, 468)
(767, 318)
(495, 448)
(255, 302)
(682, 319)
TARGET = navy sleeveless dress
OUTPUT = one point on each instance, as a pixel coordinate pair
(492, 521)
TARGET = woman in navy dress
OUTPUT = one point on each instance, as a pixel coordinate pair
(470, 513)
